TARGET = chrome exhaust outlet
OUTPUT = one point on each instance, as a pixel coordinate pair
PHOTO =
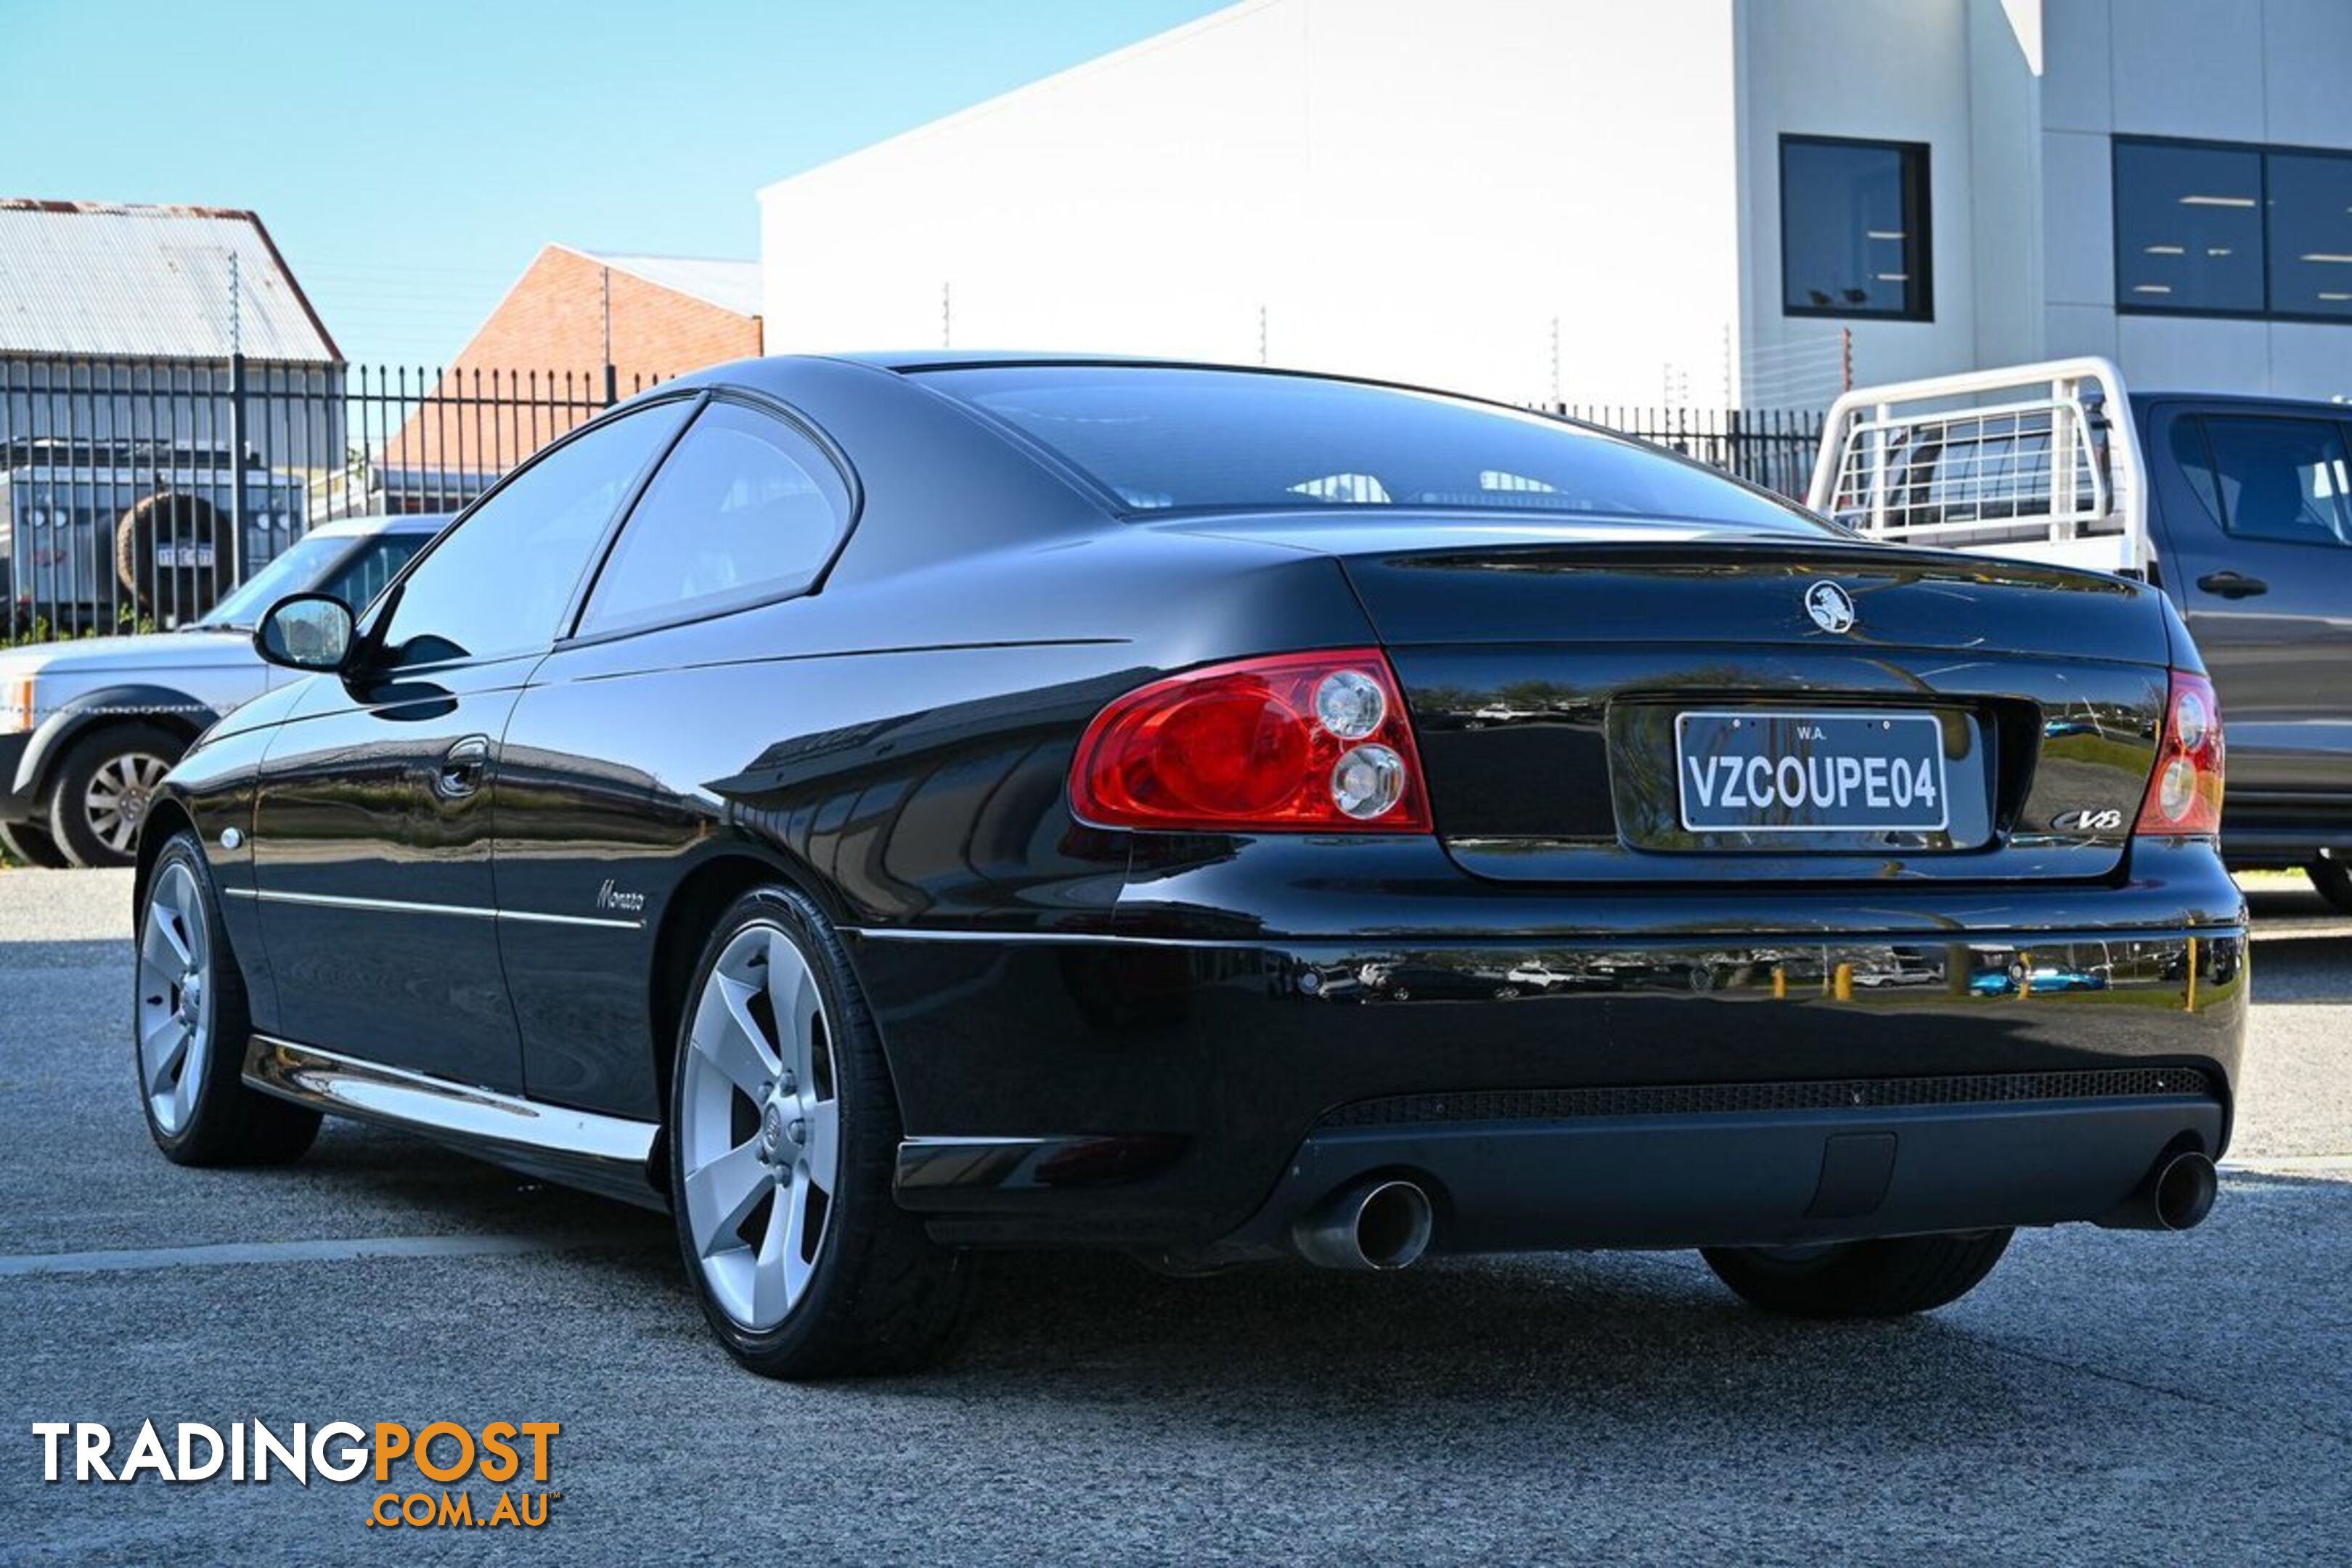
(2177, 1195)
(1381, 1224)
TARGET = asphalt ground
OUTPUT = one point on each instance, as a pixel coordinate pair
(2106, 1396)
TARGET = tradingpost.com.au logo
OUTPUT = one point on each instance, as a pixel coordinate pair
(444, 1453)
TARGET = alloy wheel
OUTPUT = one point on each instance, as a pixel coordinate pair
(759, 1127)
(116, 799)
(175, 1014)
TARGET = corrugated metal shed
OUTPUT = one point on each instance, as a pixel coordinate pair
(105, 280)
(730, 285)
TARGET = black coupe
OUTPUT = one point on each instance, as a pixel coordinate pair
(881, 807)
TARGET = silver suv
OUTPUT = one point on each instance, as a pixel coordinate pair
(89, 726)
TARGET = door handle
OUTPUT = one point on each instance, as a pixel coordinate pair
(2233, 584)
(462, 767)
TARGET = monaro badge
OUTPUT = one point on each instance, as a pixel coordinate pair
(1830, 606)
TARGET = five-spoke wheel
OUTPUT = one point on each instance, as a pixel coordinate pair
(759, 1126)
(175, 1015)
(189, 1027)
(783, 1140)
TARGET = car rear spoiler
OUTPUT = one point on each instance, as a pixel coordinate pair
(2038, 461)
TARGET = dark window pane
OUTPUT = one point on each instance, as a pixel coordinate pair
(745, 508)
(1159, 439)
(364, 575)
(2311, 234)
(498, 581)
(2282, 479)
(2195, 456)
(1852, 228)
(2188, 228)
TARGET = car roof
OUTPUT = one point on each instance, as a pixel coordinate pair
(950, 359)
(2252, 400)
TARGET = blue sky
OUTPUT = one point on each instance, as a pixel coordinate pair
(410, 159)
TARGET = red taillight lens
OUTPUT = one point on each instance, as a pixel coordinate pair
(2184, 796)
(1314, 743)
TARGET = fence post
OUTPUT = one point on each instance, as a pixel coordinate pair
(236, 496)
(612, 385)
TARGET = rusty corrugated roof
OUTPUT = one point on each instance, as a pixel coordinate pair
(106, 279)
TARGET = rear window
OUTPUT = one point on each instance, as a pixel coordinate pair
(1167, 439)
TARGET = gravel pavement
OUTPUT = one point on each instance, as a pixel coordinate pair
(2106, 1396)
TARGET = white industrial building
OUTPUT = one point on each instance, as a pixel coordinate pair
(1627, 200)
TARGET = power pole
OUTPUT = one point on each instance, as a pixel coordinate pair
(1261, 334)
(237, 390)
(612, 376)
(1555, 362)
(946, 317)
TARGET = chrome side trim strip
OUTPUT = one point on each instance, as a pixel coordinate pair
(904, 933)
(502, 1126)
(397, 906)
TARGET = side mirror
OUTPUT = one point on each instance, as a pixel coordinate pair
(306, 631)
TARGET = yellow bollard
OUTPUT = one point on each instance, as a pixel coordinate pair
(1845, 982)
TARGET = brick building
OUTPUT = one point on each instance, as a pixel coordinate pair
(575, 324)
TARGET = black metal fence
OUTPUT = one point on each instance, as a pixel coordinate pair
(133, 494)
(1773, 448)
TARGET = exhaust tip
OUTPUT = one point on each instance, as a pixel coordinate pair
(2177, 1194)
(2185, 1190)
(1377, 1225)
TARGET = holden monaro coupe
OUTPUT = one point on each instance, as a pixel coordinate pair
(876, 808)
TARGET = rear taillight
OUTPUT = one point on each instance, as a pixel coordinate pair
(2184, 796)
(1304, 743)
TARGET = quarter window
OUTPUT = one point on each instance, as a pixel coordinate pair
(746, 508)
(2232, 230)
(498, 581)
(1853, 229)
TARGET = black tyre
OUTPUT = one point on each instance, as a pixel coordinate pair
(104, 785)
(189, 1026)
(2334, 881)
(1889, 1278)
(784, 1135)
(30, 845)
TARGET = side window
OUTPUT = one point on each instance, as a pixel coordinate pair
(364, 575)
(498, 582)
(2282, 479)
(745, 508)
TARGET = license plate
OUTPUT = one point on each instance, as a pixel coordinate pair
(1811, 772)
(197, 555)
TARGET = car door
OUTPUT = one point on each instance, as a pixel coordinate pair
(372, 823)
(2255, 536)
(618, 733)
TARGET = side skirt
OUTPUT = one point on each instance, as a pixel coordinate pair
(607, 1154)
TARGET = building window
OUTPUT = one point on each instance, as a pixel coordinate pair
(2311, 234)
(1853, 229)
(2223, 230)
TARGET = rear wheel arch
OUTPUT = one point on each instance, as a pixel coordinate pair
(703, 895)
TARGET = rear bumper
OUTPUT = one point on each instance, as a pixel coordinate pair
(1760, 1178)
(1192, 1094)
